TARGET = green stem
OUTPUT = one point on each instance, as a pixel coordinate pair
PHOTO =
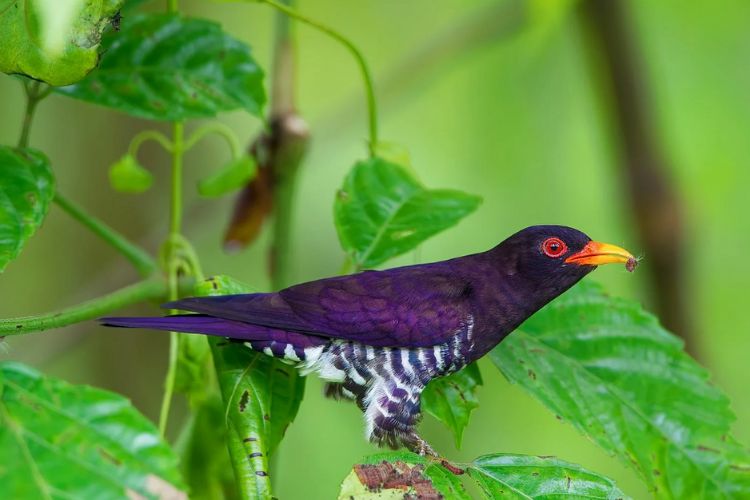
(92, 309)
(348, 266)
(366, 75)
(33, 96)
(142, 261)
(214, 128)
(173, 265)
(175, 214)
(283, 198)
(149, 135)
(172, 6)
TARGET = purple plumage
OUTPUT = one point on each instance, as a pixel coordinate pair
(379, 337)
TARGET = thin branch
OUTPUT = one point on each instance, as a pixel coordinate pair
(92, 309)
(142, 261)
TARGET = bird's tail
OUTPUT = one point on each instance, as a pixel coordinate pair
(193, 323)
(292, 346)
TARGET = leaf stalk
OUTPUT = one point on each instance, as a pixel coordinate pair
(142, 291)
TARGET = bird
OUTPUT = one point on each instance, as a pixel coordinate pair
(379, 337)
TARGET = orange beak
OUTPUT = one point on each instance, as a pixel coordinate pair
(595, 253)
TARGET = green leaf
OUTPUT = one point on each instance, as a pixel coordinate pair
(193, 376)
(166, 67)
(55, 42)
(381, 211)
(222, 284)
(608, 368)
(526, 477)
(234, 175)
(204, 457)
(407, 476)
(128, 176)
(59, 440)
(262, 396)
(26, 189)
(451, 399)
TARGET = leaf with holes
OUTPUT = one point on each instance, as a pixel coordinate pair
(26, 189)
(400, 475)
(608, 368)
(526, 477)
(381, 211)
(56, 42)
(59, 440)
(167, 67)
(262, 396)
(451, 399)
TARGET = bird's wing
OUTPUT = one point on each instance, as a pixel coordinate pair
(415, 307)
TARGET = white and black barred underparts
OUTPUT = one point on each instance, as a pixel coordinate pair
(386, 382)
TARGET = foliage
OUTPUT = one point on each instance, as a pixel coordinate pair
(600, 363)
(451, 399)
(27, 187)
(166, 67)
(261, 395)
(53, 43)
(381, 211)
(58, 439)
(521, 476)
(608, 368)
(399, 474)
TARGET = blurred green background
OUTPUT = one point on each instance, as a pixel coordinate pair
(517, 113)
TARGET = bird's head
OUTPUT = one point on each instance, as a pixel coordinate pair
(551, 259)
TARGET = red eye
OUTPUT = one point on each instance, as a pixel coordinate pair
(554, 247)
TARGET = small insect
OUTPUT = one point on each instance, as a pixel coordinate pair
(631, 264)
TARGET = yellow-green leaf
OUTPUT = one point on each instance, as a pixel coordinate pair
(54, 41)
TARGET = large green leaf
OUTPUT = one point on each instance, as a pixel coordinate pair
(65, 441)
(167, 67)
(26, 189)
(398, 475)
(451, 399)
(608, 368)
(204, 456)
(527, 477)
(261, 394)
(55, 42)
(382, 211)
